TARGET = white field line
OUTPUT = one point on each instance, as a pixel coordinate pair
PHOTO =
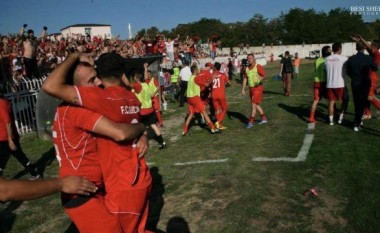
(302, 154)
(202, 162)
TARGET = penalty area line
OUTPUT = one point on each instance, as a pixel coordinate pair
(201, 162)
(302, 154)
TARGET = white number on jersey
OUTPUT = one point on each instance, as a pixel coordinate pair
(216, 83)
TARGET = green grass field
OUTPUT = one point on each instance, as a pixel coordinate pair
(214, 184)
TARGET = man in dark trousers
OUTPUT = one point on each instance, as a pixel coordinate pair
(358, 68)
(10, 140)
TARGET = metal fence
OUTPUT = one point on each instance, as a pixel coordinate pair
(23, 96)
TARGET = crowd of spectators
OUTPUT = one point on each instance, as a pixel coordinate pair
(50, 50)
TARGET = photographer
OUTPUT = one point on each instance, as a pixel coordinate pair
(244, 64)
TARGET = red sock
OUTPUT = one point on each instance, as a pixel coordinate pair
(211, 125)
(251, 120)
(263, 117)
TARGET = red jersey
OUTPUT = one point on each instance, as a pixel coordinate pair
(122, 170)
(218, 84)
(376, 58)
(75, 147)
(5, 118)
(202, 78)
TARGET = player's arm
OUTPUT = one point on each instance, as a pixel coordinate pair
(359, 38)
(22, 30)
(11, 143)
(118, 131)
(44, 32)
(157, 84)
(281, 68)
(55, 85)
(17, 190)
(146, 71)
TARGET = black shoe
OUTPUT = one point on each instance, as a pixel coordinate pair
(162, 146)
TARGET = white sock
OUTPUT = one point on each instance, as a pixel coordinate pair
(331, 118)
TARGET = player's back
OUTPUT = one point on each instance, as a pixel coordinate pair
(119, 164)
(75, 146)
(218, 84)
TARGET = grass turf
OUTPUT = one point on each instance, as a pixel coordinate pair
(241, 195)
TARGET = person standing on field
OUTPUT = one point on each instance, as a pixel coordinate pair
(254, 74)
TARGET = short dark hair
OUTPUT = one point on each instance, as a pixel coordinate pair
(217, 65)
(336, 47)
(192, 68)
(325, 51)
(360, 46)
(30, 31)
(110, 65)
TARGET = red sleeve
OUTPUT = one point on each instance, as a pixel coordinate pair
(202, 78)
(5, 111)
(84, 118)
(137, 87)
(200, 81)
(260, 70)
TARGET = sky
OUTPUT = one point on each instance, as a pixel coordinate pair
(164, 14)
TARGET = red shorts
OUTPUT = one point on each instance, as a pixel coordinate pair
(256, 94)
(335, 93)
(320, 90)
(135, 217)
(220, 103)
(93, 211)
(196, 105)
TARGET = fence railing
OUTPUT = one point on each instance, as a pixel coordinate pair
(23, 96)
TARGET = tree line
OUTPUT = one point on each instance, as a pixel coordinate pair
(297, 26)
